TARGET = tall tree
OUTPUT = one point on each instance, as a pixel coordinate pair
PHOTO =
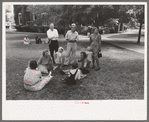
(128, 13)
(139, 10)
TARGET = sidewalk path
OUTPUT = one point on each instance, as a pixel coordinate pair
(118, 39)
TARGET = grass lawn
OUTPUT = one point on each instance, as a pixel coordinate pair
(121, 75)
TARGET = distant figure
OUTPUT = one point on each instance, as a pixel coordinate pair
(33, 80)
(38, 40)
(26, 40)
(71, 38)
(52, 40)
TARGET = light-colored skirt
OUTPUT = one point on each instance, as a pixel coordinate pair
(45, 80)
(45, 68)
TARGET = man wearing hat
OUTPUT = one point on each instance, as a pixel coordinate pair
(71, 38)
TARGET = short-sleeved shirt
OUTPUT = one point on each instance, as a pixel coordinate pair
(44, 60)
(96, 42)
(53, 33)
(72, 36)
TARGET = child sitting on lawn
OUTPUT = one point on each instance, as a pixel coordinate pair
(26, 40)
(85, 63)
(45, 62)
(73, 74)
(58, 57)
(33, 80)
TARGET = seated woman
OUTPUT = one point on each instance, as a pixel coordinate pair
(85, 63)
(26, 40)
(33, 80)
(45, 62)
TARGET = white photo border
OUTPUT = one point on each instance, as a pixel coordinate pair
(68, 109)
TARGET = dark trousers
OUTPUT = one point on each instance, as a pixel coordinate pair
(53, 46)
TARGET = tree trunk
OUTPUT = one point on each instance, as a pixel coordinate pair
(64, 29)
(139, 32)
(121, 27)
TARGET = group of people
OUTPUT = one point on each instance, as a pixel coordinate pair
(55, 59)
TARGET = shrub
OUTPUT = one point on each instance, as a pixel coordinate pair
(84, 30)
(18, 27)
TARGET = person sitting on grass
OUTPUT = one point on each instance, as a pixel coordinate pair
(85, 63)
(72, 74)
(38, 40)
(58, 57)
(45, 62)
(33, 80)
(26, 40)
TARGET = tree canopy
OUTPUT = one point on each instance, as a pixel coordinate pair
(88, 14)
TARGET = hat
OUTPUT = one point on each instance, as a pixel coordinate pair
(73, 25)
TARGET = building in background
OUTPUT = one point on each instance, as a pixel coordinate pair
(9, 16)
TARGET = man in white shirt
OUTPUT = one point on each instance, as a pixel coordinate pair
(71, 38)
(53, 40)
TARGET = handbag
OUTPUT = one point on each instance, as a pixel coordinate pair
(99, 55)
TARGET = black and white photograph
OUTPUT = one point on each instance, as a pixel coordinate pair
(75, 54)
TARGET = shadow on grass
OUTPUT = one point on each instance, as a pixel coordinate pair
(116, 80)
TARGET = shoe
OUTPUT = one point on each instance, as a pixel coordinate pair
(62, 73)
(92, 67)
(83, 76)
(97, 69)
(55, 67)
(62, 80)
(65, 64)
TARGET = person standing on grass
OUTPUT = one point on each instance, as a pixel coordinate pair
(53, 40)
(95, 39)
(71, 38)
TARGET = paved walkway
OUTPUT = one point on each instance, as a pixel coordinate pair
(129, 42)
